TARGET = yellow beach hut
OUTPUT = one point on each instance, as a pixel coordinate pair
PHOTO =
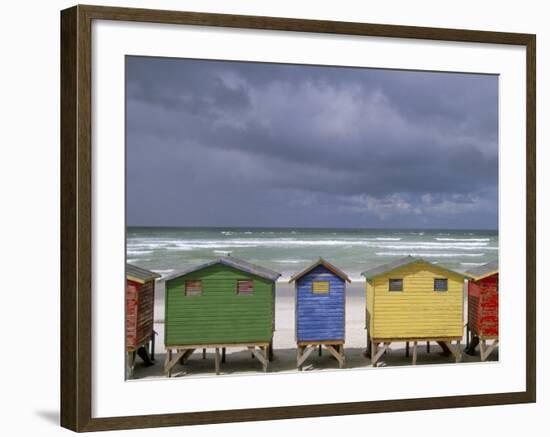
(413, 300)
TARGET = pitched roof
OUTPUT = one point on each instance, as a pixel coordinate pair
(138, 274)
(324, 263)
(230, 261)
(483, 271)
(402, 262)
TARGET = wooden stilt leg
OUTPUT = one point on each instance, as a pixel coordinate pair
(204, 353)
(166, 363)
(169, 360)
(266, 358)
(455, 350)
(260, 355)
(336, 354)
(414, 353)
(428, 347)
(320, 350)
(407, 349)
(223, 355)
(373, 348)
(131, 362)
(445, 347)
(377, 353)
(217, 361)
(271, 351)
(304, 354)
(152, 351)
(298, 356)
(486, 351)
(368, 351)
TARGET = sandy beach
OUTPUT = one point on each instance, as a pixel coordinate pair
(239, 361)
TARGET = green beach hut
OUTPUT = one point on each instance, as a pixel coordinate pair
(227, 302)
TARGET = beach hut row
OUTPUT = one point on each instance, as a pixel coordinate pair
(229, 302)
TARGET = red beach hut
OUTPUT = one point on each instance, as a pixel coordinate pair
(483, 309)
(140, 303)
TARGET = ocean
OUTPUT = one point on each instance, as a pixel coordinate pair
(288, 250)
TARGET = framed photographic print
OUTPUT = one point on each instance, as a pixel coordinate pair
(255, 209)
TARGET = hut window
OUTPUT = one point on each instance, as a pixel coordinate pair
(193, 288)
(320, 287)
(245, 287)
(396, 285)
(440, 284)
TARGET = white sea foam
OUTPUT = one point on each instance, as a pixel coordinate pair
(430, 255)
(138, 252)
(180, 248)
(210, 245)
(436, 247)
(463, 239)
(149, 245)
(376, 243)
(472, 264)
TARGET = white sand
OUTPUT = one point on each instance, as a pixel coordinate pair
(239, 361)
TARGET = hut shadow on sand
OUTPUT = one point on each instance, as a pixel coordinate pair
(240, 362)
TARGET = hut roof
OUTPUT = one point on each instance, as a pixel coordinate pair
(402, 262)
(324, 263)
(483, 271)
(140, 275)
(230, 261)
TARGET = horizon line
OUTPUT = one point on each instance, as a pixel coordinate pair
(313, 227)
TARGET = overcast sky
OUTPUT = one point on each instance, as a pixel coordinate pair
(212, 143)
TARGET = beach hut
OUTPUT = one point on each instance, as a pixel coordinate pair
(413, 300)
(140, 302)
(320, 310)
(483, 309)
(223, 303)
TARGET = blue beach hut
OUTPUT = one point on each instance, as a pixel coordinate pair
(320, 310)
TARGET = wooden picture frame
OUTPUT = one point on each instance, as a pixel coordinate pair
(76, 217)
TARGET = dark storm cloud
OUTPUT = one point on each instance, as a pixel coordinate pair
(227, 143)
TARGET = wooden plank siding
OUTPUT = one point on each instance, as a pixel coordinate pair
(473, 308)
(139, 312)
(320, 316)
(483, 306)
(418, 311)
(370, 306)
(146, 305)
(219, 315)
(132, 289)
